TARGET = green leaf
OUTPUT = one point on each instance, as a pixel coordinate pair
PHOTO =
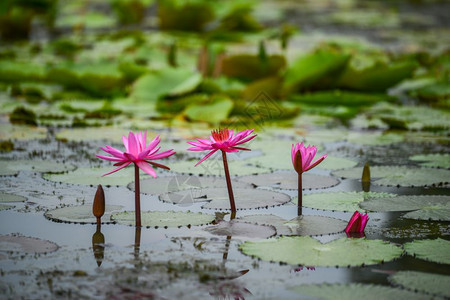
(5, 207)
(11, 167)
(164, 218)
(434, 284)
(21, 132)
(15, 71)
(235, 229)
(289, 180)
(81, 214)
(437, 250)
(400, 175)
(433, 160)
(354, 291)
(338, 97)
(214, 111)
(375, 138)
(110, 134)
(8, 198)
(305, 250)
(250, 67)
(19, 243)
(214, 166)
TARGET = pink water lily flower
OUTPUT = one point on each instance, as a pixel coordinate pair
(302, 160)
(302, 157)
(224, 140)
(138, 152)
(357, 223)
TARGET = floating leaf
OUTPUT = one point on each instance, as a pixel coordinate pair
(251, 67)
(340, 201)
(305, 250)
(112, 134)
(5, 207)
(16, 71)
(21, 132)
(338, 97)
(81, 214)
(7, 198)
(437, 250)
(235, 228)
(160, 185)
(429, 207)
(435, 284)
(411, 229)
(373, 139)
(354, 291)
(88, 20)
(9, 167)
(433, 160)
(399, 175)
(164, 218)
(289, 180)
(217, 198)
(213, 111)
(304, 225)
(214, 167)
(92, 176)
(18, 243)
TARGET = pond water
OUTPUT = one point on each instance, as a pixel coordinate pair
(359, 81)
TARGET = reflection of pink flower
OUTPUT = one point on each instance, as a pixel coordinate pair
(357, 223)
(299, 269)
(137, 152)
(222, 139)
(302, 157)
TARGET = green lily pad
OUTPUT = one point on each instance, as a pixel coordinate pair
(214, 166)
(16, 71)
(400, 175)
(374, 139)
(81, 214)
(354, 291)
(214, 111)
(252, 67)
(88, 20)
(7, 198)
(304, 225)
(289, 180)
(437, 250)
(433, 160)
(340, 201)
(112, 134)
(164, 218)
(19, 243)
(92, 176)
(5, 207)
(217, 198)
(338, 97)
(160, 185)
(305, 250)
(435, 284)
(412, 229)
(154, 85)
(21, 132)
(429, 207)
(8, 168)
(235, 228)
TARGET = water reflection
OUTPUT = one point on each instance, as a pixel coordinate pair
(98, 245)
(137, 242)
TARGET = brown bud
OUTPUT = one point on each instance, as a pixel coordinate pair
(366, 173)
(98, 208)
(298, 162)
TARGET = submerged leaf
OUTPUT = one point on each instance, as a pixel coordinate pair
(437, 250)
(305, 250)
(164, 218)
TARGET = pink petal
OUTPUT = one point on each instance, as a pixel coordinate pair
(364, 220)
(130, 157)
(318, 161)
(144, 166)
(207, 155)
(109, 158)
(119, 168)
(133, 145)
(153, 143)
(125, 143)
(240, 148)
(246, 140)
(160, 155)
(204, 141)
(113, 151)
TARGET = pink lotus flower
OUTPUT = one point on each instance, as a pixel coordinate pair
(142, 155)
(357, 223)
(225, 141)
(222, 139)
(302, 157)
(137, 152)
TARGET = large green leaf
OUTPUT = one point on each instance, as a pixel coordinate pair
(434, 284)
(433, 160)
(214, 111)
(305, 250)
(21, 132)
(81, 214)
(164, 218)
(338, 97)
(437, 250)
(289, 180)
(10, 167)
(8, 198)
(251, 67)
(214, 166)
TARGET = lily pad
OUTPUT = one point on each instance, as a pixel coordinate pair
(304, 225)
(289, 180)
(437, 250)
(435, 284)
(354, 291)
(81, 214)
(21, 132)
(90, 134)
(428, 207)
(7, 198)
(214, 111)
(217, 198)
(93, 176)
(400, 175)
(433, 160)
(19, 243)
(375, 139)
(160, 185)
(305, 250)
(340, 201)
(5, 207)
(214, 167)
(164, 218)
(235, 228)
(8, 168)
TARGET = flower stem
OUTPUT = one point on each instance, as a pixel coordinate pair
(300, 194)
(137, 196)
(227, 176)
